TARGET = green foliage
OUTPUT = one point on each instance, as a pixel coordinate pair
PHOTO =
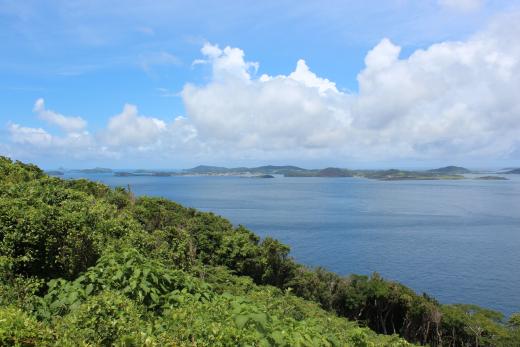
(173, 246)
(14, 172)
(104, 319)
(462, 323)
(514, 321)
(82, 264)
(18, 328)
(262, 320)
(50, 231)
(129, 273)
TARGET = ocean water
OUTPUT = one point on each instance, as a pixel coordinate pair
(456, 240)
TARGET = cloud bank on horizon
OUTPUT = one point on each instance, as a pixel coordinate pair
(451, 100)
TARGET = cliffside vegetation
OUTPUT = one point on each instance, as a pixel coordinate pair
(83, 264)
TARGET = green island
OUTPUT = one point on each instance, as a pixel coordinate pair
(445, 173)
(96, 170)
(263, 176)
(85, 265)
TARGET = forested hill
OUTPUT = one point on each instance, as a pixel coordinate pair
(83, 264)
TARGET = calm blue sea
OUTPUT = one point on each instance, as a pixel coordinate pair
(456, 240)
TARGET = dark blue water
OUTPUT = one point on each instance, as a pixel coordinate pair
(456, 240)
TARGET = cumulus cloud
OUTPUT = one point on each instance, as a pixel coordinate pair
(68, 124)
(32, 136)
(272, 114)
(130, 129)
(451, 100)
(38, 141)
(227, 64)
(126, 134)
(304, 75)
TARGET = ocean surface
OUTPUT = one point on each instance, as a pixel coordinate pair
(456, 240)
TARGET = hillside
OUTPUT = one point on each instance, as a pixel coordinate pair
(81, 263)
(268, 169)
(451, 170)
(445, 173)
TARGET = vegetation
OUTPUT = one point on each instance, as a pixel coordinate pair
(83, 264)
(451, 170)
(445, 173)
(96, 170)
(55, 173)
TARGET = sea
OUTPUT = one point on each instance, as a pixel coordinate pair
(458, 241)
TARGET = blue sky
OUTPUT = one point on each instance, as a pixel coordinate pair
(190, 100)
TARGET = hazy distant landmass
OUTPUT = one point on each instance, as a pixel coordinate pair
(271, 171)
(492, 178)
(144, 173)
(451, 170)
(268, 169)
(513, 171)
(263, 176)
(95, 170)
(203, 169)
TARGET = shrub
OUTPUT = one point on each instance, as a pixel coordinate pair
(103, 320)
(17, 328)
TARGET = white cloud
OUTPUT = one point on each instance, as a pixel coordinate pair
(127, 134)
(273, 114)
(228, 63)
(451, 100)
(37, 140)
(68, 124)
(461, 5)
(382, 56)
(32, 136)
(308, 78)
(130, 129)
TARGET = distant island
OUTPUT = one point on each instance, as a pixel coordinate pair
(95, 170)
(451, 170)
(444, 173)
(270, 171)
(492, 178)
(144, 173)
(264, 176)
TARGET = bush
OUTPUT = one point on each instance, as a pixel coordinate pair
(147, 282)
(103, 320)
(17, 328)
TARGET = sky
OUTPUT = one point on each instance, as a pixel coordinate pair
(174, 84)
